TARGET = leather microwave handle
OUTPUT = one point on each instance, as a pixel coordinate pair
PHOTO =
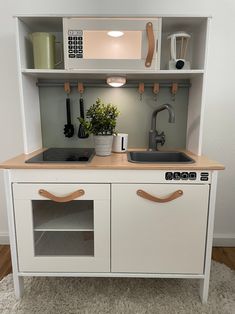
(151, 40)
(156, 199)
(61, 199)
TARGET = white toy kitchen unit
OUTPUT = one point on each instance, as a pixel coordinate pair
(110, 217)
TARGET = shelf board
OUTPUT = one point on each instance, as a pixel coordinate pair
(64, 244)
(103, 74)
(65, 219)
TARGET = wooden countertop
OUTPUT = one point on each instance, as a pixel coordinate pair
(114, 161)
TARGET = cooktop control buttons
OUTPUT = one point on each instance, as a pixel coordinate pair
(204, 176)
(176, 175)
(184, 175)
(75, 44)
(169, 175)
(192, 176)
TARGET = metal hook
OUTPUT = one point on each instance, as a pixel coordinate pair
(80, 89)
(141, 90)
(67, 88)
(156, 89)
(174, 90)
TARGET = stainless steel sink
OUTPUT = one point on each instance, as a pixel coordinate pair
(158, 157)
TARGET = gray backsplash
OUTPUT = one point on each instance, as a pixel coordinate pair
(135, 118)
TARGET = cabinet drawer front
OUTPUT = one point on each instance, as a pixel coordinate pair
(23, 191)
(152, 237)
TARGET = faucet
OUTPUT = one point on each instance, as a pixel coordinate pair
(156, 138)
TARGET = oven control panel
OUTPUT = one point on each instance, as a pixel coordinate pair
(75, 43)
(186, 176)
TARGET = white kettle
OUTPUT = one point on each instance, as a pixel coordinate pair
(178, 50)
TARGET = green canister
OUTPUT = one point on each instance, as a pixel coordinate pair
(44, 50)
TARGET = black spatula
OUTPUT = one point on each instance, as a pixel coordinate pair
(68, 128)
(81, 131)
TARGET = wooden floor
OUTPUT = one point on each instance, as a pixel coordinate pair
(5, 261)
(223, 255)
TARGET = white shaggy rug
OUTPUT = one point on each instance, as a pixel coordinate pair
(120, 295)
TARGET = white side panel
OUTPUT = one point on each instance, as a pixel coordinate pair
(194, 122)
(18, 281)
(31, 114)
(204, 283)
(201, 44)
(159, 237)
(24, 46)
(196, 106)
(29, 99)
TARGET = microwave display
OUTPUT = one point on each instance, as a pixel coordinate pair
(110, 43)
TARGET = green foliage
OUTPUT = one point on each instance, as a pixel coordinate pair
(101, 118)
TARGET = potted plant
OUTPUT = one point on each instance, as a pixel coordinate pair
(101, 122)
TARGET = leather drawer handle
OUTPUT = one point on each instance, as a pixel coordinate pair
(151, 40)
(156, 199)
(61, 199)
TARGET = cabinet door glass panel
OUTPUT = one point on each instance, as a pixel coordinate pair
(64, 243)
(63, 228)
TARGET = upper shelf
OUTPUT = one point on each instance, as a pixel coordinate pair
(102, 74)
(131, 67)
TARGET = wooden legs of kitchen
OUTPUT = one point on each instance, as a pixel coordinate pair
(109, 230)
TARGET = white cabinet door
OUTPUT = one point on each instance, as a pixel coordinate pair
(56, 234)
(152, 237)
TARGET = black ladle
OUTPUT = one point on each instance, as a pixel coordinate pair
(68, 128)
(81, 131)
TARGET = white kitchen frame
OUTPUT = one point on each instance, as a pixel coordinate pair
(32, 135)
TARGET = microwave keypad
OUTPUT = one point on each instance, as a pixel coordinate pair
(75, 44)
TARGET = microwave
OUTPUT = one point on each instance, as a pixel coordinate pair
(111, 43)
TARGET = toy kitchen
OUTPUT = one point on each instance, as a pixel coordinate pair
(75, 212)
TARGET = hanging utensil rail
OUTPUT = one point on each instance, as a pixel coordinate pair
(97, 83)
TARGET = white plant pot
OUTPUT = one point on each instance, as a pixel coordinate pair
(103, 144)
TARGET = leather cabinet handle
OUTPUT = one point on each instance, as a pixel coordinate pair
(151, 40)
(156, 199)
(61, 199)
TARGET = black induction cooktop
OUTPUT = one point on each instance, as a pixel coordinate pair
(63, 155)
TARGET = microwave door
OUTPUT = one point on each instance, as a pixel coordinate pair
(90, 45)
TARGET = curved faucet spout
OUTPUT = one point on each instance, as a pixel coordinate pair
(156, 138)
(170, 110)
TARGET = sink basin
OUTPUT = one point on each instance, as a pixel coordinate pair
(158, 157)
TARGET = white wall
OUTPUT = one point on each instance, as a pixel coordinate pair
(219, 127)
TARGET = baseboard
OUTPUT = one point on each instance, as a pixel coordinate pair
(4, 238)
(224, 240)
